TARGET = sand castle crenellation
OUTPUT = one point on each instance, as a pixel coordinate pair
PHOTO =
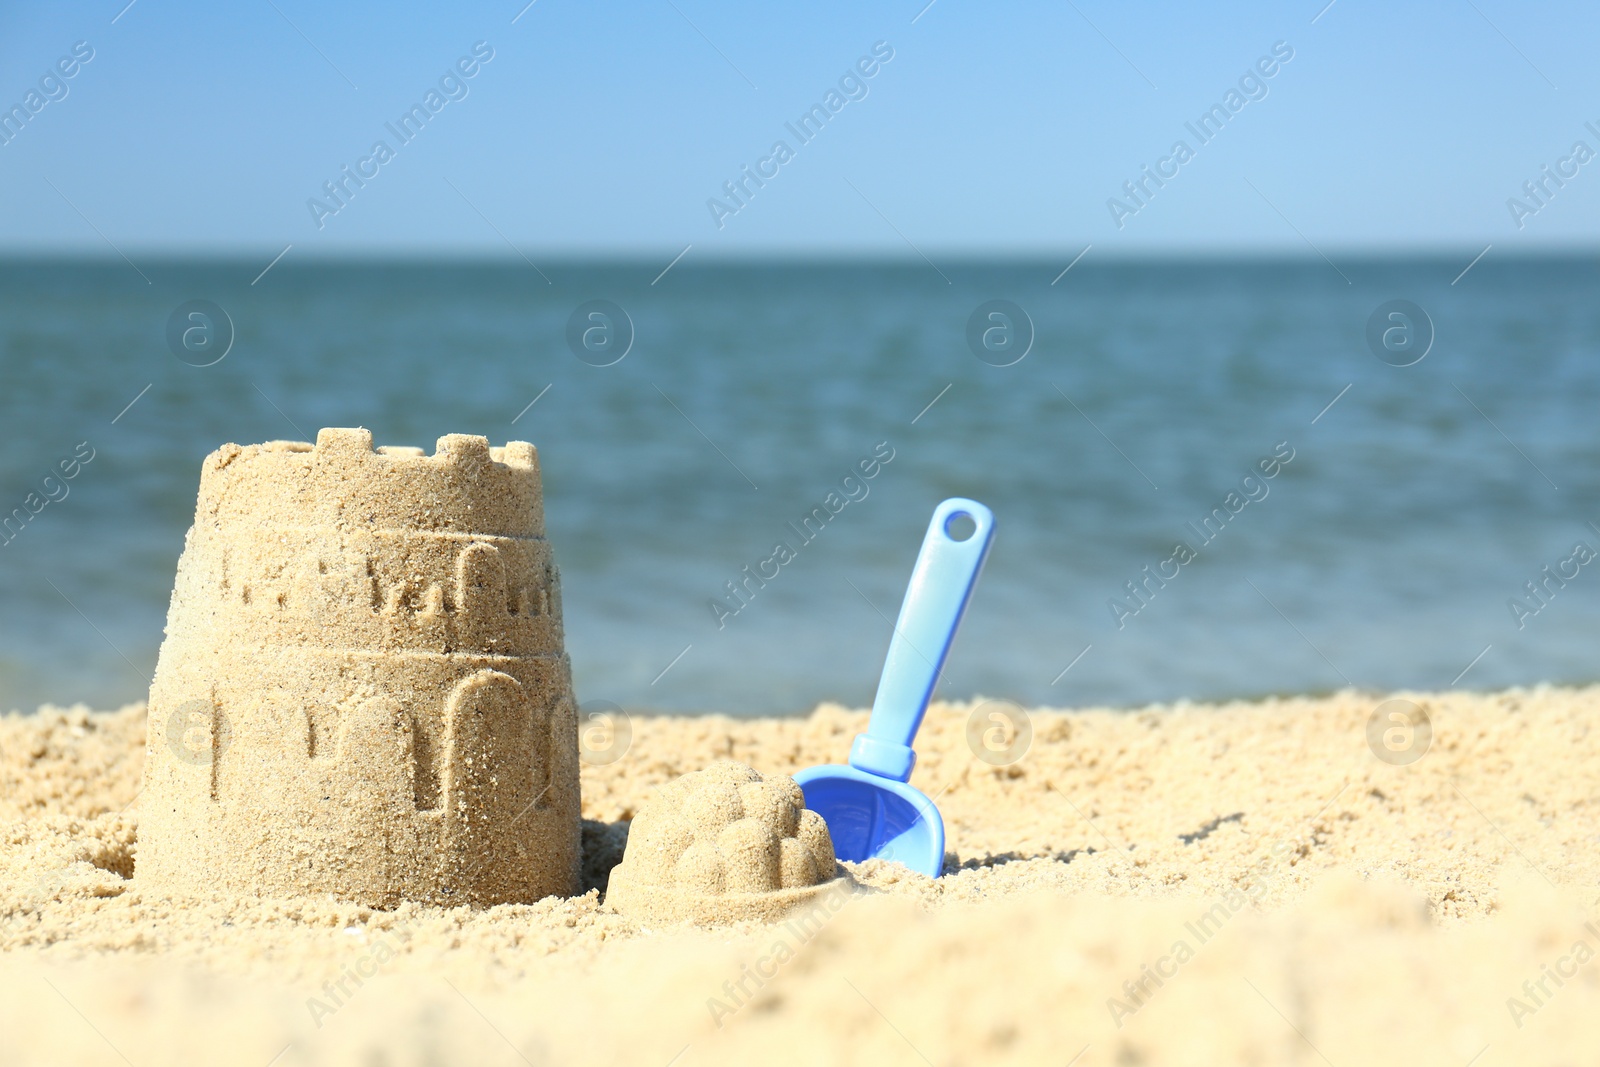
(412, 579)
(364, 662)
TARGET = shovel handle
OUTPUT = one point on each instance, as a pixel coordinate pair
(941, 584)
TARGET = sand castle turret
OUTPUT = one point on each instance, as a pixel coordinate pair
(363, 689)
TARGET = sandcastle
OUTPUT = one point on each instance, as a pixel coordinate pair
(723, 844)
(363, 689)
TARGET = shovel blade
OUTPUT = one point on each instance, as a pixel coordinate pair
(870, 817)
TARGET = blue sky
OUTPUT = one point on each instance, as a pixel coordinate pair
(604, 129)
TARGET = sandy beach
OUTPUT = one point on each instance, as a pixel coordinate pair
(466, 477)
(1238, 883)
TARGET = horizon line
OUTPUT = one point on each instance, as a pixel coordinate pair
(489, 258)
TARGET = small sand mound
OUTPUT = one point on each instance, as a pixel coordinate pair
(723, 845)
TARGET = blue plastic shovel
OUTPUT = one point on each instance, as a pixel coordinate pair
(870, 810)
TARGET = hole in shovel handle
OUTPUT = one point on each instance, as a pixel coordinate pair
(960, 526)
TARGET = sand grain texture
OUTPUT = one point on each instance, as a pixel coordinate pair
(1330, 908)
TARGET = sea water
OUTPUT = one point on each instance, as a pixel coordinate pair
(722, 543)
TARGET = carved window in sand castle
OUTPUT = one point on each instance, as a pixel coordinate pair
(197, 733)
(498, 747)
(479, 586)
(490, 745)
(478, 589)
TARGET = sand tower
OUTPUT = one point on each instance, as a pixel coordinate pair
(363, 689)
(721, 845)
